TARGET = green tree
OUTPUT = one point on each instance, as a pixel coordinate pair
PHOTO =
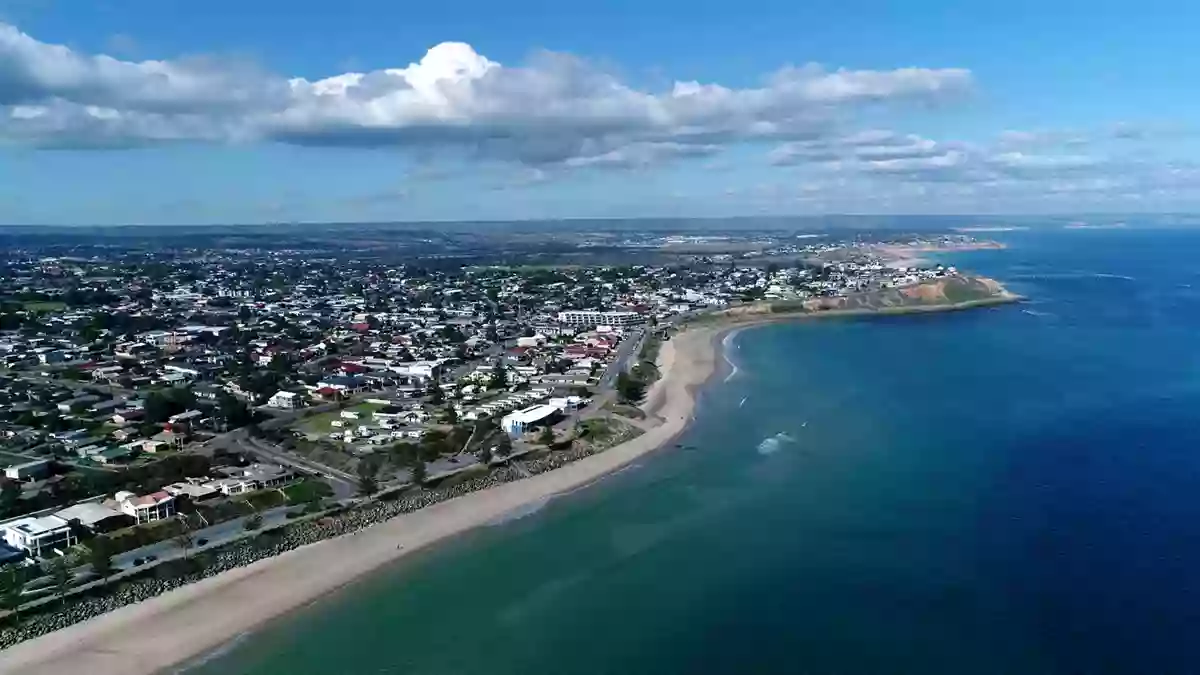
(485, 454)
(10, 498)
(60, 576)
(435, 392)
(450, 415)
(546, 437)
(253, 521)
(629, 388)
(499, 378)
(100, 556)
(419, 472)
(12, 584)
(367, 468)
(504, 446)
(186, 536)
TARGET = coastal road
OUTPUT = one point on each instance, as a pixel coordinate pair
(221, 533)
(627, 349)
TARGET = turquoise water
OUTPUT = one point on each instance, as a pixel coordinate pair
(1010, 490)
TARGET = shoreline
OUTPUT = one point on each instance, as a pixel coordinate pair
(184, 625)
(175, 628)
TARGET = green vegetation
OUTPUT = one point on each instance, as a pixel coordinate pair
(39, 306)
(321, 425)
(630, 389)
(307, 491)
(100, 557)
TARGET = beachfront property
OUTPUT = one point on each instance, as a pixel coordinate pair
(596, 318)
(517, 423)
(146, 508)
(94, 516)
(39, 536)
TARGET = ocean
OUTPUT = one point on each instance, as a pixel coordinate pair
(1006, 490)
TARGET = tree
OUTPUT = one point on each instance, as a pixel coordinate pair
(185, 538)
(629, 388)
(253, 521)
(60, 575)
(12, 584)
(419, 472)
(485, 454)
(367, 468)
(547, 436)
(10, 498)
(499, 378)
(435, 392)
(504, 446)
(451, 415)
(100, 555)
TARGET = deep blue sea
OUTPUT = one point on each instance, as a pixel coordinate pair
(1012, 490)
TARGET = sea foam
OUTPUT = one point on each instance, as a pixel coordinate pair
(774, 444)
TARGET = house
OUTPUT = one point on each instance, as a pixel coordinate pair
(152, 445)
(269, 475)
(343, 383)
(77, 403)
(231, 486)
(95, 517)
(39, 536)
(193, 488)
(129, 416)
(287, 400)
(147, 508)
(38, 468)
(169, 438)
(186, 417)
(113, 455)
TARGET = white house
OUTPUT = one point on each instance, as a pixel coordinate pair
(147, 508)
(39, 536)
(288, 400)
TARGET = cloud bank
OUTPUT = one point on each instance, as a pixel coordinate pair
(553, 109)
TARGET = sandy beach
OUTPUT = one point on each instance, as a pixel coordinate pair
(176, 627)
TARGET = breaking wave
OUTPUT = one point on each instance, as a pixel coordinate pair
(774, 444)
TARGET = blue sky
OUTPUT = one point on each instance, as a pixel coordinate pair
(124, 111)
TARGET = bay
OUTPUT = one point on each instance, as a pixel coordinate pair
(1009, 490)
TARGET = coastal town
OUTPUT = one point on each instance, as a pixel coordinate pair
(170, 414)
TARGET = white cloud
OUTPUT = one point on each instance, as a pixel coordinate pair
(554, 109)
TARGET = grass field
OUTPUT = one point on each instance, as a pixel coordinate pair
(44, 306)
(320, 425)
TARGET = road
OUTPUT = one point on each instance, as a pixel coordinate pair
(219, 534)
(627, 349)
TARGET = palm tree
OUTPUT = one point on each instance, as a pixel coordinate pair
(185, 538)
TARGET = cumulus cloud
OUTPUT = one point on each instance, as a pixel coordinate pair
(554, 109)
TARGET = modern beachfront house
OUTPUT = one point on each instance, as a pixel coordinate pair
(39, 536)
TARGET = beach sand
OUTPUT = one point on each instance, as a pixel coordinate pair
(175, 627)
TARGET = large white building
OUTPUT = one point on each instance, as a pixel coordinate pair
(521, 421)
(39, 536)
(577, 317)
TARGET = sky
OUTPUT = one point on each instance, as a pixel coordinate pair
(181, 112)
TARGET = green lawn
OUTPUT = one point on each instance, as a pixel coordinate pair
(44, 306)
(319, 425)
